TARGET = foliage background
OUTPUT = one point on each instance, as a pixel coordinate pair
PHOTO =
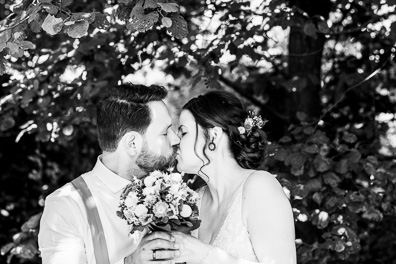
(322, 72)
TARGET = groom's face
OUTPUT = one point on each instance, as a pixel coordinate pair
(160, 141)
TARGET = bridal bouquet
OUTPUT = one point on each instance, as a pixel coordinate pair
(161, 201)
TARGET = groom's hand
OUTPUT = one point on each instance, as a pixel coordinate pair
(158, 247)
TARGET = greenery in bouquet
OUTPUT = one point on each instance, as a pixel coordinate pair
(160, 201)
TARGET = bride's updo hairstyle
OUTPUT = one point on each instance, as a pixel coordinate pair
(223, 109)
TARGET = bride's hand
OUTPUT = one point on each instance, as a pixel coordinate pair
(191, 249)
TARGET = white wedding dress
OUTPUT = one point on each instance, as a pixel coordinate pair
(233, 236)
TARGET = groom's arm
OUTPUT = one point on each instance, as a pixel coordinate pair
(61, 236)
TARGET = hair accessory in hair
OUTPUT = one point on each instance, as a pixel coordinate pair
(251, 121)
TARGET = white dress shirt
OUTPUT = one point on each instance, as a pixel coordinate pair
(65, 235)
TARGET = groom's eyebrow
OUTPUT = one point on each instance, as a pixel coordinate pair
(166, 129)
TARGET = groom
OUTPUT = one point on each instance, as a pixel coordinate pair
(136, 136)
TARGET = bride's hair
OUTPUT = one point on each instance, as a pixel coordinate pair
(223, 109)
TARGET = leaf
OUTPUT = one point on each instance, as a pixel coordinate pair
(369, 168)
(350, 138)
(311, 149)
(2, 67)
(285, 139)
(4, 249)
(319, 138)
(48, 24)
(26, 45)
(150, 4)
(65, 3)
(7, 123)
(5, 36)
(34, 14)
(317, 197)
(179, 27)
(79, 29)
(323, 27)
(296, 160)
(373, 215)
(2, 46)
(310, 29)
(45, 1)
(313, 185)
(308, 130)
(356, 207)
(280, 155)
(353, 156)
(51, 9)
(125, 2)
(141, 22)
(166, 21)
(321, 164)
(331, 202)
(13, 47)
(34, 221)
(28, 250)
(297, 171)
(331, 179)
(90, 17)
(101, 21)
(356, 197)
(301, 116)
(35, 26)
(342, 166)
(169, 7)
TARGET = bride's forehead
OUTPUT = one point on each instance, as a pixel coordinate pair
(186, 116)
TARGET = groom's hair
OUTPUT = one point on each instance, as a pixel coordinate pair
(124, 108)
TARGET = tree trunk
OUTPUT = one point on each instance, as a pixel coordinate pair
(305, 59)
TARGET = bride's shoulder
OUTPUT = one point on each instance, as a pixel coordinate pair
(262, 183)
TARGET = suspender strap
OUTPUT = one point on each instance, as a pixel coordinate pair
(98, 238)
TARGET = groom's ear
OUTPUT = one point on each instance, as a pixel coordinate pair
(132, 142)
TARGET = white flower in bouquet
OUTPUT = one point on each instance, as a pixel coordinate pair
(149, 191)
(149, 180)
(175, 177)
(140, 209)
(160, 209)
(186, 210)
(156, 174)
(131, 200)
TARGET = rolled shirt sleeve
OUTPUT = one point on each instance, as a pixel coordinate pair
(61, 235)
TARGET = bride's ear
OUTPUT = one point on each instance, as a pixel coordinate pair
(216, 134)
(132, 143)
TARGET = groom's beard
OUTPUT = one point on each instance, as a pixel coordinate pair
(149, 161)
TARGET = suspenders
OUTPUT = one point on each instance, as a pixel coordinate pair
(98, 238)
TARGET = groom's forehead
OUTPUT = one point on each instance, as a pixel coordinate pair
(159, 114)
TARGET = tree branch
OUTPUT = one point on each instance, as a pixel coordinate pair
(251, 98)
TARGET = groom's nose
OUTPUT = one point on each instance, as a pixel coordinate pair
(173, 138)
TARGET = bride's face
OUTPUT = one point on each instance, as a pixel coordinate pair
(191, 146)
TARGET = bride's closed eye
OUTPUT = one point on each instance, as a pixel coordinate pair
(181, 132)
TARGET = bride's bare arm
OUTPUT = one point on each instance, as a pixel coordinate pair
(269, 219)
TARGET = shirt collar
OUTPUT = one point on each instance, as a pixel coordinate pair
(110, 179)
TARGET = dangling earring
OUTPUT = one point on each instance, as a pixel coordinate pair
(212, 145)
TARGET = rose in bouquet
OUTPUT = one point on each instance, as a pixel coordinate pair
(161, 201)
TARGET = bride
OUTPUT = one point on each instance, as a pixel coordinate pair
(245, 214)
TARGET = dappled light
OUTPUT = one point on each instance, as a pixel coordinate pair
(322, 72)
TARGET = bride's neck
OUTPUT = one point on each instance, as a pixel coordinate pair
(224, 177)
